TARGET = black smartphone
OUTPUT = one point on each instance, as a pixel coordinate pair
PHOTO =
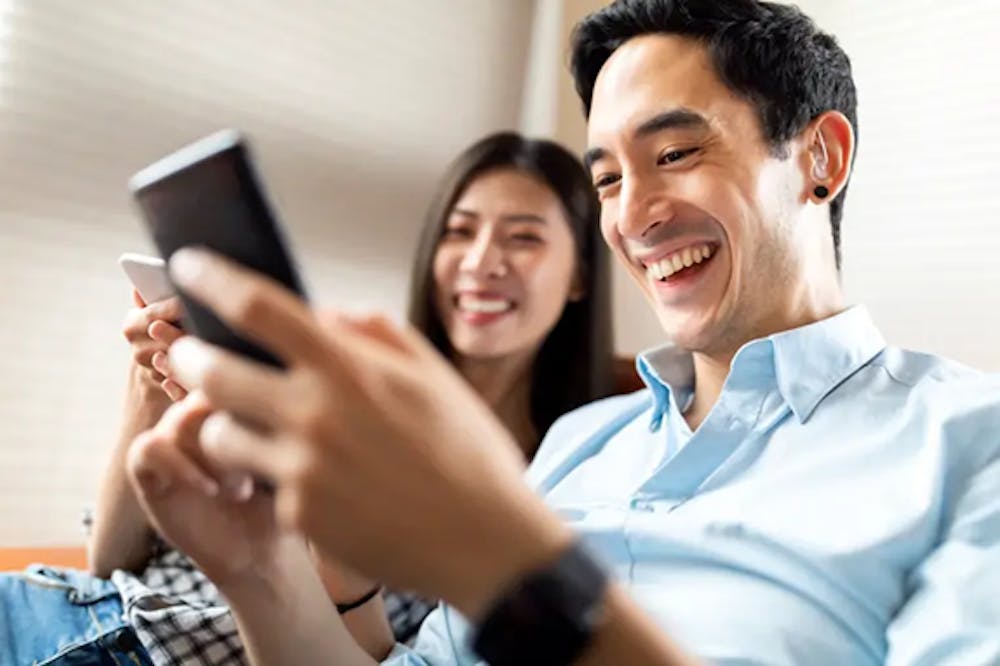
(207, 194)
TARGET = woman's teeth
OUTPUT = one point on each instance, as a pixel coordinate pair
(484, 305)
(689, 256)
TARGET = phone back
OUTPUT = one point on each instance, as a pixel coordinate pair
(208, 195)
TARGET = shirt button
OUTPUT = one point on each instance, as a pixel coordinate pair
(641, 505)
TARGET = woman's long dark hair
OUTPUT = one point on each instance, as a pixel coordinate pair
(574, 364)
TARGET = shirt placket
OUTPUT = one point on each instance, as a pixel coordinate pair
(729, 425)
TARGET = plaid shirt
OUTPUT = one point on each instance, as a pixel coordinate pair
(178, 614)
(181, 619)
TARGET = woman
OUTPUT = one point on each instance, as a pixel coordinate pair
(510, 283)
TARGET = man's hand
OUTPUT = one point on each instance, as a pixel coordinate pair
(211, 515)
(378, 451)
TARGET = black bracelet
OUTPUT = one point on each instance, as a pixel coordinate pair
(548, 617)
(351, 605)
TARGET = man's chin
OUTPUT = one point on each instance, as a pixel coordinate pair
(690, 331)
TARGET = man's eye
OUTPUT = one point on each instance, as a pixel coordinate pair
(676, 155)
(606, 180)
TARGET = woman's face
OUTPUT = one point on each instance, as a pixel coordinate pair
(505, 266)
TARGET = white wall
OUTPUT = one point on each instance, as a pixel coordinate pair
(354, 106)
(922, 227)
(922, 232)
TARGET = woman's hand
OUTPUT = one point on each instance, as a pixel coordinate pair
(121, 537)
(379, 452)
(150, 330)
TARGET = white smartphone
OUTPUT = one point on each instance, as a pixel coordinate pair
(148, 275)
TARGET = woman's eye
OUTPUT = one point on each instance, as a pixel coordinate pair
(527, 238)
(457, 233)
(676, 155)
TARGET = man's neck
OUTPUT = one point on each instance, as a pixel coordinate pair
(711, 368)
(505, 385)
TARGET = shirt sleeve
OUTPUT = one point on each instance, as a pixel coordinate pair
(952, 616)
(443, 641)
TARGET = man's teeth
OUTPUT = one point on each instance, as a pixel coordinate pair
(484, 305)
(677, 261)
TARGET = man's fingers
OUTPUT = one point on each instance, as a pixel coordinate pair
(178, 431)
(375, 327)
(249, 389)
(156, 466)
(148, 475)
(252, 303)
(232, 445)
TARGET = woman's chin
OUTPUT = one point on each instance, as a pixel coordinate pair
(483, 347)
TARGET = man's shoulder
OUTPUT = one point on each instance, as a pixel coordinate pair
(942, 382)
(916, 368)
(961, 403)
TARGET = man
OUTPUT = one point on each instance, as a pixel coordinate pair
(789, 489)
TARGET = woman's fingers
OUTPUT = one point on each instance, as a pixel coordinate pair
(159, 363)
(174, 391)
(168, 310)
(148, 332)
(164, 333)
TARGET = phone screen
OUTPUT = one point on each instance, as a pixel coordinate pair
(208, 195)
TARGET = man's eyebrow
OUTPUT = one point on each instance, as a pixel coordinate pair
(673, 119)
(667, 120)
(592, 156)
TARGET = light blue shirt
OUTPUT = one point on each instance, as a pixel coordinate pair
(840, 505)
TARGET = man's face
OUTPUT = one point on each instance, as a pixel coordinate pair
(693, 201)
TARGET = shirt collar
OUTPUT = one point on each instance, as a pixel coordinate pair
(808, 362)
(665, 370)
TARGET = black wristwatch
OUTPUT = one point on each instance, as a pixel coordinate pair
(549, 617)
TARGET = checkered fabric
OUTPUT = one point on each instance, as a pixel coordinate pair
(179, 615)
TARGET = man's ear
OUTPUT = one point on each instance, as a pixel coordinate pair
(827, 156)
